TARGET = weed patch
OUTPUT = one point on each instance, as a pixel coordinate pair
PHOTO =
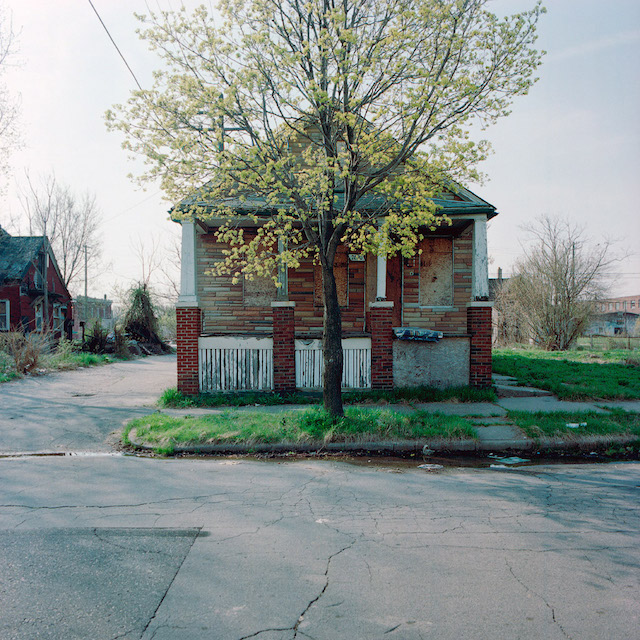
(555, 424)
(312, 425)
(572, 375)
(172, 398)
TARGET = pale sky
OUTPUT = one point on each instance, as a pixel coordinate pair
(571, 147)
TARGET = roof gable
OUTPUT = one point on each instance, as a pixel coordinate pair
(16, 255)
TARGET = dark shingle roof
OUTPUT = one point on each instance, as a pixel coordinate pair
(462, 201)
(16, 254)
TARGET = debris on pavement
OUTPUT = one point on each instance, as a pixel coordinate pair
(508, 460)
(430, 467)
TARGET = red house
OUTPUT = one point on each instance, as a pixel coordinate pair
(33, 296)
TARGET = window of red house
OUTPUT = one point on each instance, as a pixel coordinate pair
(4, 315)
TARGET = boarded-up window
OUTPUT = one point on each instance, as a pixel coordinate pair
(341, 271)
(259, 292)
(436, 272)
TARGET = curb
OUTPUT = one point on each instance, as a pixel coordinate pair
(423, 447)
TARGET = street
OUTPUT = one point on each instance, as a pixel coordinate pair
(107, 546)
(77, 410)
(119, 547)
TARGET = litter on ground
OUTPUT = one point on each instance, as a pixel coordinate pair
(508, 460)
(430, 467)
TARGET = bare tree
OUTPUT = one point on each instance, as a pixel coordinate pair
(9, 105)
(147, 251)
(71, 224)
(557, 282)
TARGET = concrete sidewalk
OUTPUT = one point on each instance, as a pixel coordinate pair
(494, 430)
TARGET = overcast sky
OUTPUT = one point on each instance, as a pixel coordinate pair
(570, 148)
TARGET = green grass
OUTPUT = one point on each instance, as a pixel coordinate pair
(576, 374)
(76, 360)
(7, 370)
(554, 424)
(312, 425)
(172, 398)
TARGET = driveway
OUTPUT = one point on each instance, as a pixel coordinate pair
(78, 410)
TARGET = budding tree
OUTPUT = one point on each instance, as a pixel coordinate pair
(344, 117)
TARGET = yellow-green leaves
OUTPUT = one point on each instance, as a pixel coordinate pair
(336, 122)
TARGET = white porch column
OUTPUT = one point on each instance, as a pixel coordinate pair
(480, 286)
(381, 283)
(188, 284)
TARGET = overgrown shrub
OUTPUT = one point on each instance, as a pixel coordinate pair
(140, 320)
(26, 349)
(96, 340)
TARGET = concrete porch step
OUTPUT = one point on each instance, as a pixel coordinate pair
(507, 387)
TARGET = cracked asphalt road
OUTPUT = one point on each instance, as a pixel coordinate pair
(77, 410)
(231, 549)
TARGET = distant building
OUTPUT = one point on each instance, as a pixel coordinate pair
(616, 316)
(33, 296)
(87, 310)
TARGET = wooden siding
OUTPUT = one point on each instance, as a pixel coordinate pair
(226, 312)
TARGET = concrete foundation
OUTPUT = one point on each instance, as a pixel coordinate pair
(436, 364)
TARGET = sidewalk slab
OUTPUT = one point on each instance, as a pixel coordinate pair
(547, 404)
(485, 409)
(625, 405)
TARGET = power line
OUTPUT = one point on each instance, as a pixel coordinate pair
(115, 45)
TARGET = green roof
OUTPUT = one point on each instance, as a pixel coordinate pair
(16, 255)
(462, 201)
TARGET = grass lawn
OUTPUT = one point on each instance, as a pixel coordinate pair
(576, 374)
(54, 362)
(554, 424)
(172, 398)
(311, 425)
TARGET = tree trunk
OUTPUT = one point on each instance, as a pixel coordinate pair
(332, 345)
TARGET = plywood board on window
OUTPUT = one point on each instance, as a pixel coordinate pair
(341, 272)
(259, 292)
(436, 272)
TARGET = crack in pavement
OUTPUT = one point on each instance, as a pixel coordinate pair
(322, 592)
(535, 593)
(164, 595)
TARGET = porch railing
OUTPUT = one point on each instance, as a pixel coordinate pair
(236, 364)
(356, 372)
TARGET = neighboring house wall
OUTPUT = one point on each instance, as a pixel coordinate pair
(90, 310)
(616, 316)
(628, 304)
(22, 287)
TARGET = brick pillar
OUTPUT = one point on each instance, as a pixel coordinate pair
(479, 328)
(381, 345)
(189, 321)
(284, 346)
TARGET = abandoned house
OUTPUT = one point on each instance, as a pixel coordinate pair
(422, 321)
(33, 296)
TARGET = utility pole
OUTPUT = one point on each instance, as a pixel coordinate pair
(86, 288)
(45, 277)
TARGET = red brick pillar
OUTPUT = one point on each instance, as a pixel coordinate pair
(381, 345)
(479, 328)
(189, 327)
(284, 346)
